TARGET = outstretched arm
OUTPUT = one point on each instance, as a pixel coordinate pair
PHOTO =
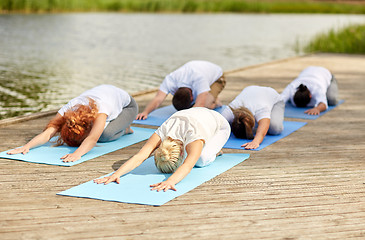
(193, 151)
(90, 141)
(262, 128)
(152, 143)
(316, 110)
(156, 101)
(38, 140)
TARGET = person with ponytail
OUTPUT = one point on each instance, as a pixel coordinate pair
(198, 131)
(101, 114)
(255, 106)
(315, 87)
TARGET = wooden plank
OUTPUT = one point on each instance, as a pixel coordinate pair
(309, 185)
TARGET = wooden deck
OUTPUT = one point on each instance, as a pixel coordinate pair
(309, 185)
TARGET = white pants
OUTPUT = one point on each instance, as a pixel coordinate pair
(214, 145)
(277, 119)
(332, 92)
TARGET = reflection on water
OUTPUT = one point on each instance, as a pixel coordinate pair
(45, 60)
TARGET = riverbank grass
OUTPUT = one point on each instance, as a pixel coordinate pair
(184, 6)
(349, 39)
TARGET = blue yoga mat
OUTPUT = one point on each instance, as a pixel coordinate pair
(295, 112)
(47, 154)
(160, 115)
(135, 188)
(289, 127)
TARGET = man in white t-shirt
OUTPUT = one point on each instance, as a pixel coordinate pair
(195, 84)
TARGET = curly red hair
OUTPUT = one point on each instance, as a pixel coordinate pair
(75, 125)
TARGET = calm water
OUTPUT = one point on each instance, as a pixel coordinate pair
(45, 60)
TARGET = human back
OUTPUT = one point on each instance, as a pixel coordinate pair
(258, 99)
(109, 99)
(197, 75)
(315, 80)
(191, 124)
(188, 126)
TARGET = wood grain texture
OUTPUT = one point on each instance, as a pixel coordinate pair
(309, 185)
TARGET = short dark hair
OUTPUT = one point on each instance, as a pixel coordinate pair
(243, 123)
(302, 96)
(182, 98)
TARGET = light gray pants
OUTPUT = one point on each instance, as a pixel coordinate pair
(116, 128)
(277, 118)
(332, 92)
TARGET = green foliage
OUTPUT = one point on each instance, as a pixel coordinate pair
(350, 39)
(191, 6)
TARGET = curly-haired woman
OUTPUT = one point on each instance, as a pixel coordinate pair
(103, 113)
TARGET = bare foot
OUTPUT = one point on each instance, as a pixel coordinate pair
(218, 103)
(128, 130)
(219, 153)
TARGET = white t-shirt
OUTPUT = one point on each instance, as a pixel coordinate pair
(317, 80)
(191, 124)
(109, 99)
(196, 75)
(259, 100)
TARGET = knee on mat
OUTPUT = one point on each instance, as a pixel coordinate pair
(204, 160)
(107, 136)
(276, 129)
(332, 102)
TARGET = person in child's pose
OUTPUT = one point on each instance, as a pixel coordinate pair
(199, 131)
(103, 113)
(315, 87)
(255, 104)
(195, 84)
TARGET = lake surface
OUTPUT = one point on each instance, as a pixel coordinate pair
(47, 59)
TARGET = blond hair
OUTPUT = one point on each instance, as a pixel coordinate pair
(169, 155)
